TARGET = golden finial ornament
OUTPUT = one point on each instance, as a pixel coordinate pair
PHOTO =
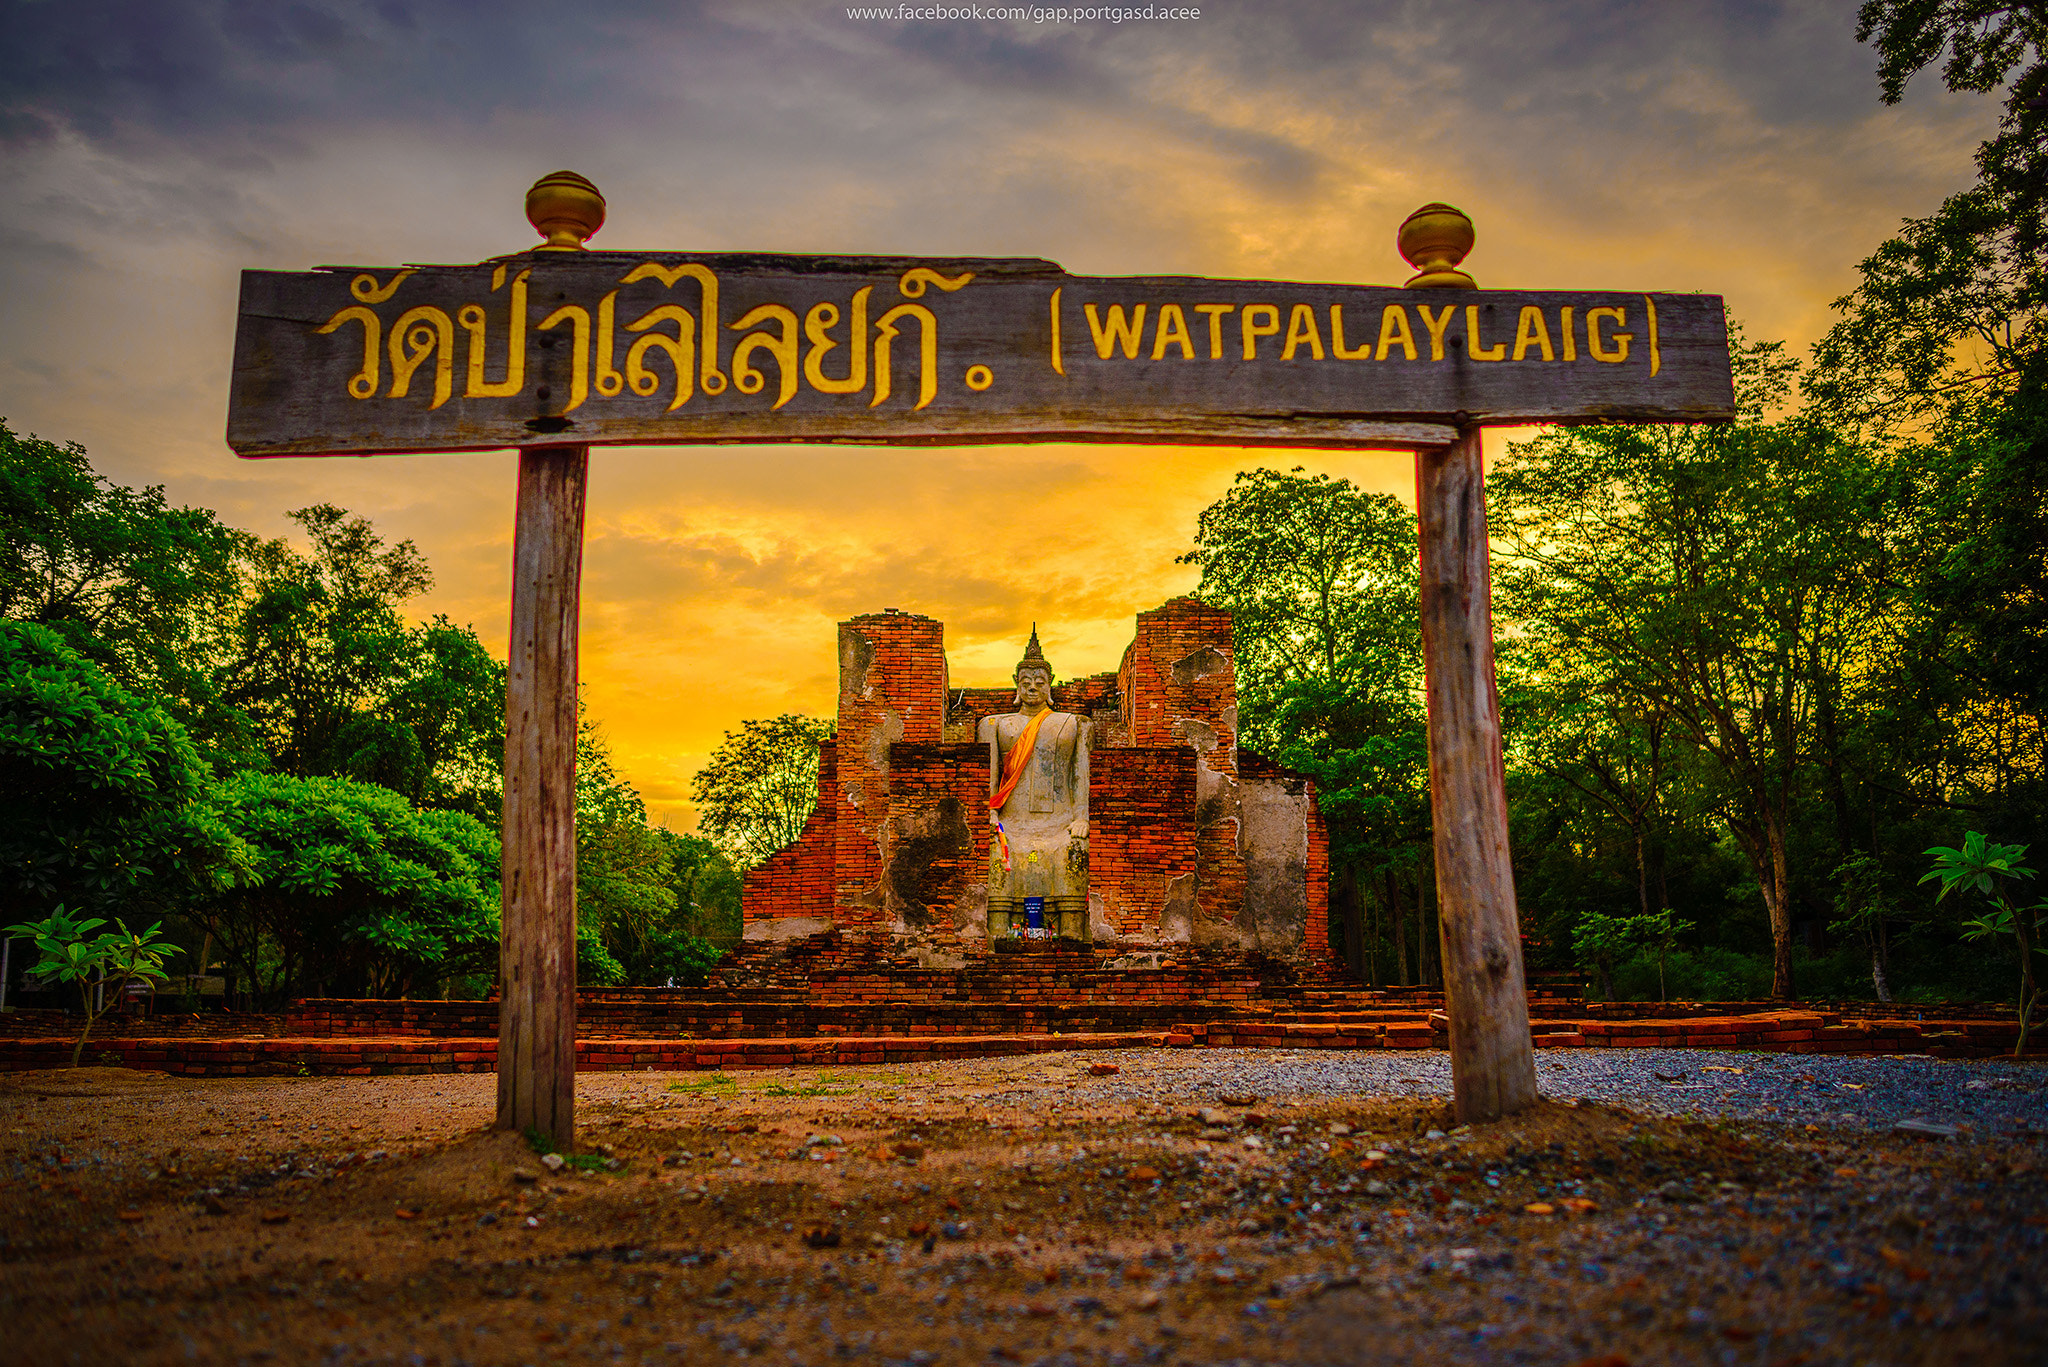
(566, 209)
(1434, 239)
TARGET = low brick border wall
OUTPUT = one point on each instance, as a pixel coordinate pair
(1791, 1032)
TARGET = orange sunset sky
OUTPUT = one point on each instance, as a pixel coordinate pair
(156, 149)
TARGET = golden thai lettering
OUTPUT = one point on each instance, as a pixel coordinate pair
(1117, 331)
(1364, 352)
(1059, 362)
(681, 350)
(362, 384)
(419, 333)
(1393, 330)
(1435, 326)
(1250, 332)
(818, 324)
(780, 344)
(911, 286)
(1497, 352)
(1532, 330)
(365, 287)
(1597, 346)
(1571, 341)
(1301, 328)
(1216, 314)
(471, 316)
(608, 381)
(709, 376)
(1656, 361)
(927, 353)
(1172, 330)
(578, 319)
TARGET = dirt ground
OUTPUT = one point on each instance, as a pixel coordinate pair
(1001, 1211)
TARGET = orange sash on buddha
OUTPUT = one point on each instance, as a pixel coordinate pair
(1019, 760)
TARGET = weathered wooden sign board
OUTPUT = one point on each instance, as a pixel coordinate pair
(615, 347)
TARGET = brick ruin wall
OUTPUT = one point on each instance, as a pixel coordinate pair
(1192, 841)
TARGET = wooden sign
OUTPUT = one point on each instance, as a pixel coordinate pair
(594, 347)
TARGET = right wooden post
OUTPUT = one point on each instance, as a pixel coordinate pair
(1493, 1063)
(537, 948)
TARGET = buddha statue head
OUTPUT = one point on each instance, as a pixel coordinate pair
(1033, 676)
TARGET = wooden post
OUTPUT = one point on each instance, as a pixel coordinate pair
(1493, 1065)
(537, 944)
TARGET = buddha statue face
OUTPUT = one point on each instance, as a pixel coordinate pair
(1034, 687)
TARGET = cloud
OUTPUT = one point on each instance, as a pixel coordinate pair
(157, 149)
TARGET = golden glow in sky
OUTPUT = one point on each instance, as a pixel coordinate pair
(1735, 150)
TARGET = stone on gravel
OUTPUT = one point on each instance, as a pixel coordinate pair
(552, 1161)
(1929, 1129)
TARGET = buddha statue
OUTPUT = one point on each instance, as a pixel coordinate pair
(1038, 807)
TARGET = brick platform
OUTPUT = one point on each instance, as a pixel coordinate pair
(1793, 1032)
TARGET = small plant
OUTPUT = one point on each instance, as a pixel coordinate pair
(806, 1089)
(543, 1145)
(1987, 869)
(1601, 940)
(703, 1084)
(1863, 911)
(102, 965)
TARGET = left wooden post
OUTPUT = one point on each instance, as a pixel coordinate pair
(537, 942)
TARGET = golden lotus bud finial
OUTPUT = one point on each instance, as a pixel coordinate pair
(564, 208)
(1434, 239)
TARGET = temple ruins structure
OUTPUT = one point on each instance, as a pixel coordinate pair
(1195, 843)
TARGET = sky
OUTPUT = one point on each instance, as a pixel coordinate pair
(153, 149)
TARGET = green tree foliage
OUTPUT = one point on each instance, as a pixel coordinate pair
(1865, 911)
(707, 888)
(350, 890)
(335, 683)
(1941, 355)
(143, 590)
(1320, 579)
(633, 899)
(1714, 576)
(760, 786)
(1983, 46)
(102, 795)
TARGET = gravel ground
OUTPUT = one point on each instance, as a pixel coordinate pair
(1702, 1084)
(1194, 1207)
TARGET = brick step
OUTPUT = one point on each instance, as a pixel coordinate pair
(1774, 1032)
(712, 1019)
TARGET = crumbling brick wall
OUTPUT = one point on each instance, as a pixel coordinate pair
(892, 687)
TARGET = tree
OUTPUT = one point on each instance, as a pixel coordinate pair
(1320, 578)
(760, 786)
(1982, 43)
(1988, 870)
(141, 589)
(350, 890)
(1717, 575)
(336, 684)
(1601, 940)
(707, 888)
(629, 892)
(101, 793)
(100, 966)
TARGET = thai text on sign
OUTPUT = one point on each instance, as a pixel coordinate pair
(610, 347)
